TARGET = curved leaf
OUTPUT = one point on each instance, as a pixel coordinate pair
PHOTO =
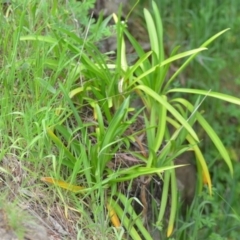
(170, 108)
(199, 156)
(217, 95)
(205, 44)
(211, 133)
(169, 60)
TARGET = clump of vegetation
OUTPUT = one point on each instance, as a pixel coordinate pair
(67, 109)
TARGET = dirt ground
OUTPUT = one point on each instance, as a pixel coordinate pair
(26, 210)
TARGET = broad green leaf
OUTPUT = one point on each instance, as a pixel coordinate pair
(200, 158)
(134, 172)
(60, 145)
(217, 95)
(174, 199)
(121, 57)
(159, 29)
(100, 119)
(136, 65)
(205, 44)
(152, 33)
(140, 52)
(164, 198)
(169, 60)
(161, 126)
(211, 133)
(115, 128)
(39, 38)
(170, 108)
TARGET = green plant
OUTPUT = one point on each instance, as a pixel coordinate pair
(205, 219)
(88, 143)
(150, 79)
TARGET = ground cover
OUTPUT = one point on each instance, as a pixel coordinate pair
(67, 118)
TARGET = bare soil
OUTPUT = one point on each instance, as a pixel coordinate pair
(26, 210)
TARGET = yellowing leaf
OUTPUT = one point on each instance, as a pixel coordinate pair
(115, 18)
(202, 162)
(113, 216)
(62, 184)
(75, 91)
(204, 178)
(169, 230)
